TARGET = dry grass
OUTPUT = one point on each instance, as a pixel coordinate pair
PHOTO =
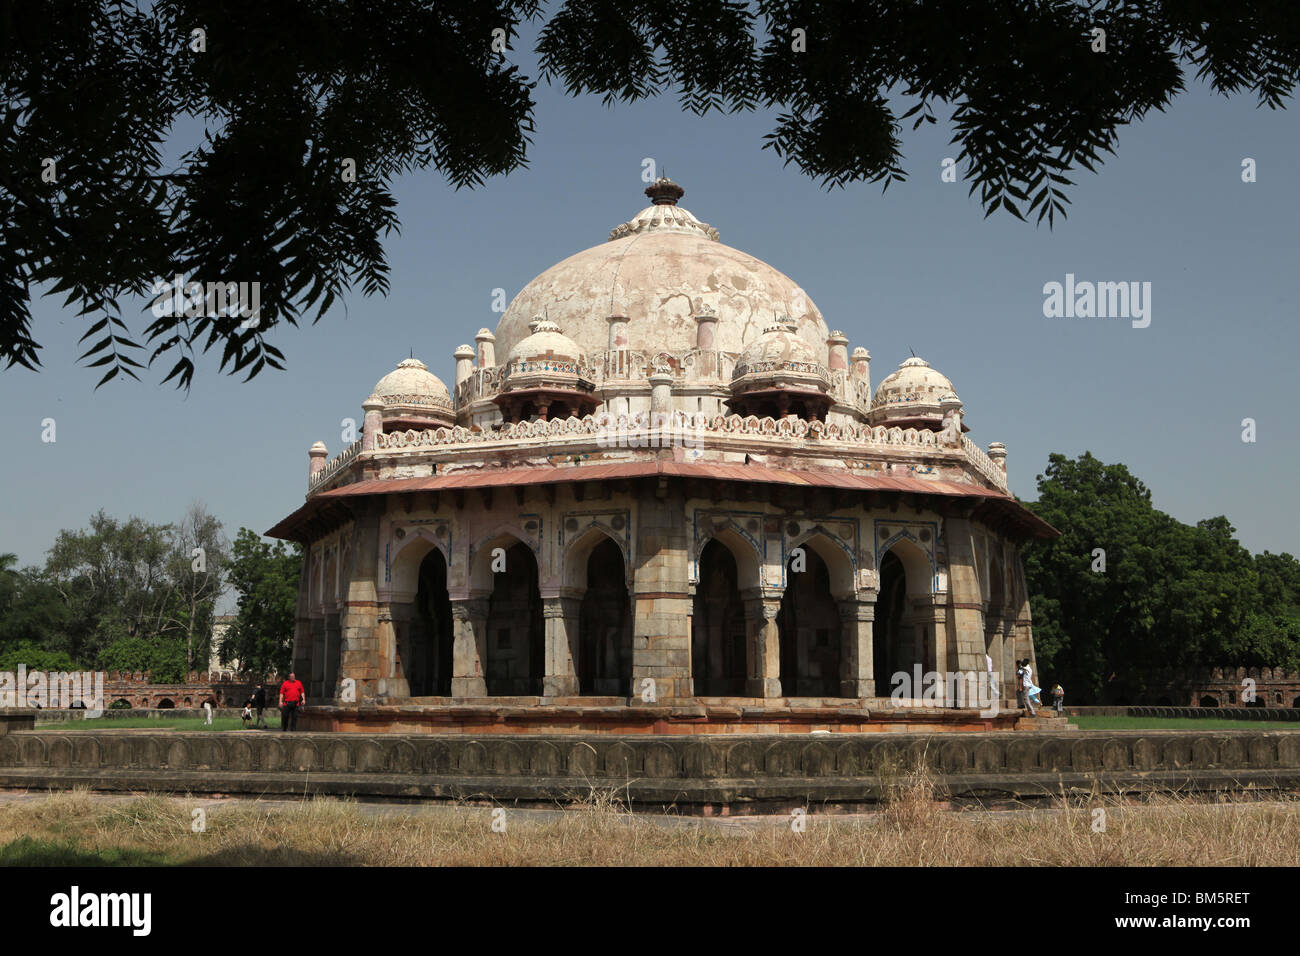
(597, 829)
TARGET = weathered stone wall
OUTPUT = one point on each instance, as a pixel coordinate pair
(683, 771)
(965, 593)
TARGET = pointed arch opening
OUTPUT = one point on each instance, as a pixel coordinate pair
(605, 625)
(809, 627)
(718, 625)
(516, 635)
(900, 642)
(426, 665)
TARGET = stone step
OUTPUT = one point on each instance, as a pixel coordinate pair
(1052, 723)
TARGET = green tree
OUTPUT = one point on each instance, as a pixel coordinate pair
(163, 658)
(1171, 595)
(286, 94)
(266, 577)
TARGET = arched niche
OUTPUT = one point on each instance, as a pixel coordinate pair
(718, 624)
(404, 564)
(743, 552)
(838, 560)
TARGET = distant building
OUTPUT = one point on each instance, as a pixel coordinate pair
(218, 670)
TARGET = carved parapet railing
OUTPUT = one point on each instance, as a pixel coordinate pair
(345, 458)
(481, 383)
(984, 464)
(607, 429)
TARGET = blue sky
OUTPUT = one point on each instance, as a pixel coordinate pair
(918, 267)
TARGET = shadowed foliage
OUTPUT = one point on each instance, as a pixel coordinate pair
(211, 141)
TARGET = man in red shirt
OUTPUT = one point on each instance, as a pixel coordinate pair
(292, 696)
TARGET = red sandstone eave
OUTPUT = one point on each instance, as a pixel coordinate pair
(987, 499)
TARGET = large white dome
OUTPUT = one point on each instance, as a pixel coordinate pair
(660, 269)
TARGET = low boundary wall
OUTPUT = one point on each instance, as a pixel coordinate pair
(694, 774)
(1203, 713)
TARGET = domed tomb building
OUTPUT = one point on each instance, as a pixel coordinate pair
(662, 490)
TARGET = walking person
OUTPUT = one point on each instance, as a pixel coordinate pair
(259, 702)
(207, 713)
(292, 696)
(1059, 693)
(1032, 691)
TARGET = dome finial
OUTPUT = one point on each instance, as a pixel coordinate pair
(664, 192)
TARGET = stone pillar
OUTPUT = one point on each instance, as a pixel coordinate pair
(763, 646)
(359, 656)
(394, 639)
(464, 356)
(994, 629)
(469, 647)
(706, 341)
(861, 366)
(316, 456)
(661, 600)
(998, 452)
(486, 342)
(857, 654)
(838, 357)
(301, 661)
(373, 424)
(332, 651)
(316, 674)
(561, 619)
(965, 599)
(661, 394)
(617, 332)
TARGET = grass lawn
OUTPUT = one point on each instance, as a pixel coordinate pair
(74, 828)
(1180, 723)
(158, 723)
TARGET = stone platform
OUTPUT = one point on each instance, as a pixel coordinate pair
(688, 773)
(614, 715)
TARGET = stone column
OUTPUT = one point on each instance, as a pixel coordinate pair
(706, 335)
(464, 356)
(964, 596)
(838, 355)
(316, 456)
(763, 646)
(301, 662)
(486, 342)
(661, 600)
(994, 629)
(359, 645)
(469, 647)
(316, 681)
(394, 638)
(373, 423)
(857, 653)
(332, 651)
(561, 618)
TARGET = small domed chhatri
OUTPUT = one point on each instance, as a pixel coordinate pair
(911, 397)
(779, 374)
(661, 488)
(413, 397)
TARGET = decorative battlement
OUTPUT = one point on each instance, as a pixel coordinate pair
(695, 428)
(348, 456)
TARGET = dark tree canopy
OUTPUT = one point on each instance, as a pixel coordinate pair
(277, 98)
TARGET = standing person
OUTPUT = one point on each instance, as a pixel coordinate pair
(993, 684)
(1059, 693)
(292, 696)
(1023, 684)
(259, 702)
(207, 713)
